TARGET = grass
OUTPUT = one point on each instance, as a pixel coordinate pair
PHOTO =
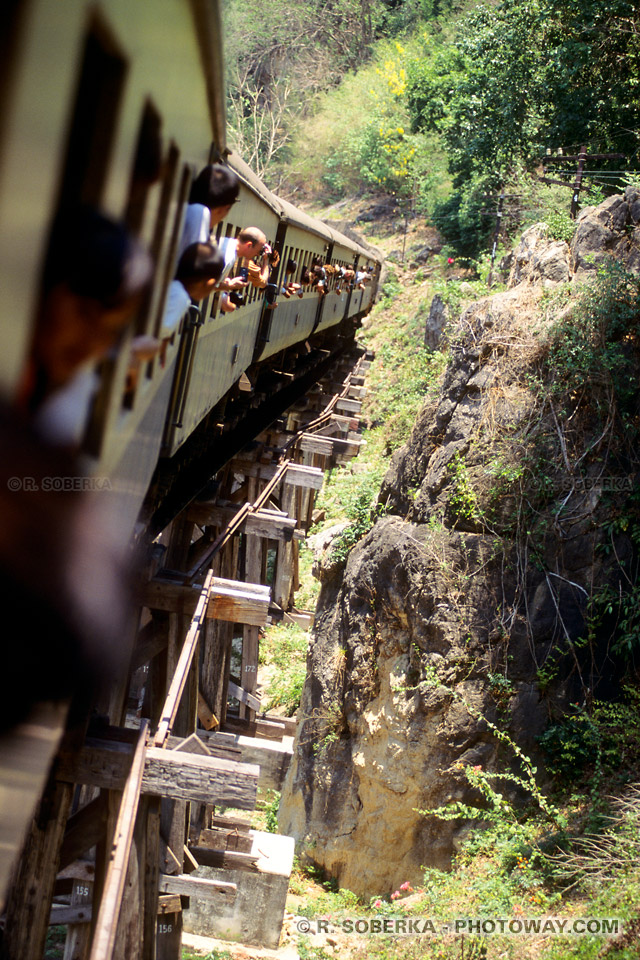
(284, 649)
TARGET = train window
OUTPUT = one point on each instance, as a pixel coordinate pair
(183, 192)
(94, 118)
(147, 167)
(150, 314)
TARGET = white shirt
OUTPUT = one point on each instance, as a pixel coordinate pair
(197, 227)
(229, 249)
(62, 418)
(178, 302)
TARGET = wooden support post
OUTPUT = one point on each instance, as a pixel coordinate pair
(26, 753)
(104, 938)
(249, 675)
(31, 889)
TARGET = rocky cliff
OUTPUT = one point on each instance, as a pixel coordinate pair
(466, 604)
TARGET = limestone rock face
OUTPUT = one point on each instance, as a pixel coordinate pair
(538, 260)
(436, 322)
(376, 743)
(610, 229)
(442, 627)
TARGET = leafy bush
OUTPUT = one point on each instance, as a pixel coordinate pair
(561, 226)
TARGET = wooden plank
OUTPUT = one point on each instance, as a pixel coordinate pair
(272, 756)
(106, 924)
(218, 838)
(244, 696)
(206, 716)
(166, 773)
(237, 602)
(214, 891)
(311, 443)
(207, 779)
(169, 903)
(170, 709)
(225, 859)
(268, 730)
(260, 523)
(26, 753)
(74, 913)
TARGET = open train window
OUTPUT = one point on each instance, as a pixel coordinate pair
(163, 244)
(95, 113)
(147, 167)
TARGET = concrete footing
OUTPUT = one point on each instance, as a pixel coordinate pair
(256, 915)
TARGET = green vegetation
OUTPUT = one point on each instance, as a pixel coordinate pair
(284, 649)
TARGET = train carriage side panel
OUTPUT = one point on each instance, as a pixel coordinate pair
(225, 342)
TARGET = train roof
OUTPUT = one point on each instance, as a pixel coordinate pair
(290, 213)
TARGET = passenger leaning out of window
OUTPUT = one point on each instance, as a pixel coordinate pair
(252, 253)
(94, 280)
(213, 193)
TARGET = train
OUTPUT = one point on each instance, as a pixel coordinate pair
(116, 105)
(92, 88)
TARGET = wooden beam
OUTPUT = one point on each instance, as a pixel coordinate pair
(166, 773)
(267, 729)
(169, 903)
(272, 756)
(178, 683)
(345, 405)
(311, 443)
(104, 937)
(171, 596)
(25, 759)
(60, 914)
(225, 859)
(261, 523)
(206, 716)
(151, 640)
(295, 474)
(243, 696)
(86, 827)
(219, 838)
(237, 602)
(215, 891)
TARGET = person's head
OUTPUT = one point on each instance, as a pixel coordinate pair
(292, 266)
(94, 277)
(216, 187)
(199, 269)
(251, 242)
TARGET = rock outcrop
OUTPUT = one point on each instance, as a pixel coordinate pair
(462, 606)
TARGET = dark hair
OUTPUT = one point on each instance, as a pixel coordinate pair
(215, 186)
(292, 266)
(200, 261)
(96, 257)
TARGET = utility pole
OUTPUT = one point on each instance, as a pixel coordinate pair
(582, 159)
(496, 235)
